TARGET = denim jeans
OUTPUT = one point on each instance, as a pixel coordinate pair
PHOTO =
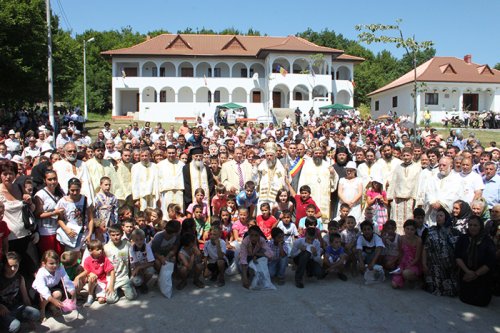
(277, 267)
(12, 321)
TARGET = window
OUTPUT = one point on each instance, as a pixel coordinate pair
(431, 99)
(244, 72)
(376, 105)
(154, 72)
(187, 72)
(209, 98)
(217, 72)
(163, 96)
(217, 96)
(162, 71)
(395, 102)
(130, 71)
(255, 96)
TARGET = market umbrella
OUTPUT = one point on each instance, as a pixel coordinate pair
(230, 106)
(337, 106)
(338, 113)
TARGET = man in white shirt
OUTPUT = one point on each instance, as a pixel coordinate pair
(13, 144)
(62, 139)
(32, 150)
(472, 182)
(111, 153)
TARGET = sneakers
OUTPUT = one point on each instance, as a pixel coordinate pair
(90, 300)
(342, 276)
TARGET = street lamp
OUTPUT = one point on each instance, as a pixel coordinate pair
(85, 73)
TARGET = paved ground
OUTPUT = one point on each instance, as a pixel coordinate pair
(322, 306)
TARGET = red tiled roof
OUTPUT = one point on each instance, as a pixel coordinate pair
(446, 69)
(347, 57)
(219, 45)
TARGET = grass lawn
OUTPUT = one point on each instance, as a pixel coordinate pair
(96, 123)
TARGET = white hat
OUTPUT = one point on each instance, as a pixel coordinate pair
(42, 128)
(17, 159)
(12, 132)
(46, 147)
(351, 165)
(377, 179)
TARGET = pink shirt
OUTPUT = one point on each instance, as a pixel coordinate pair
(240, 228)
(248, 249)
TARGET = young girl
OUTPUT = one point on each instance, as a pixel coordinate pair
(350, 191)
(189, 261)
(266, 221)
(219, 200)
(76, 223)
(15, 302)
(232, 207)
(105, 203)
(226, 226)
(283, 202)
(289, 229)
(410, 249)
(49, 282)
(199, 196)
(175, 212)
(202, 226)
(240, 227)
(376, 198)
(390, 254)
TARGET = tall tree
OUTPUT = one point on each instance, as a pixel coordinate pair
(497, 66)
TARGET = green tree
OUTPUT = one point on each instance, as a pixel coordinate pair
(497, 66)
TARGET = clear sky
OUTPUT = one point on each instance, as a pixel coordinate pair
(457, 27)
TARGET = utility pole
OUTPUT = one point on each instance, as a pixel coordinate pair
(50, 79)
(85, 107)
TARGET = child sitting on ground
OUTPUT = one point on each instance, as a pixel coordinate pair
(50, 281)
(140, 223)
(335, 258)
(369, 247)
(240, 227)
(248, 198)
(165, 244)
(391, 239)
(279, 261)
(71, 262)
(253, 246)
(189, 262)
(202, 226)
(99, 273)
(289, 229)
(410, 251)
(306, 254)
(333, 228)
(266, 221)
(175, 212)
(349, 238)
(141, 261)
(117, 251)
(215, 260)
(154, 217)
(344, 211)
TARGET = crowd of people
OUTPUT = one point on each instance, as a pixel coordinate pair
(98, 217)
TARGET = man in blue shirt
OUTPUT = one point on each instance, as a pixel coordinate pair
(491, 182)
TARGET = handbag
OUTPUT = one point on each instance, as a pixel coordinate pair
(69, 304)
(28, 218)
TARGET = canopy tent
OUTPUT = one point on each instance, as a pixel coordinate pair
(337, 106)
(230, 106)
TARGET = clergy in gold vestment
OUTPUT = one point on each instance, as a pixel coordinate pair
(321, 178)
(171, 180)
(123, 189)
(145, 182)
(99, 167)
(403, 189)
(271, 176)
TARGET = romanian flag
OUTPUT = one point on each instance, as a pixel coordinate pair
(296, 168)
(281, 70)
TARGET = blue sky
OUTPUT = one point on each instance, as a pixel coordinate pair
(457, 27)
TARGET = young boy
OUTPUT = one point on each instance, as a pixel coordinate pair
(303, 201)
(219, 200)
(344, 211)
(202, 226)
(189, 262)
(125, 212)
(349, 239)
(422, 227)
(368, 247)
(335, 257)
(333, 228)
(306, 254)
(278, 263)
(117, 251)
(127, 226)
(100, 274)
(214, 254)
(266, 221)
(248, 198)
(310, 212)
(105, 203)
(141, 262)
(140, 220)
(165, 244)
(289, 229)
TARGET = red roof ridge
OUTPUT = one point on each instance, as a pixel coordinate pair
(176, 38)
(232, 41)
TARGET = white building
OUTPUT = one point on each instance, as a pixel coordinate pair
(444, 85)
(182, 76)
